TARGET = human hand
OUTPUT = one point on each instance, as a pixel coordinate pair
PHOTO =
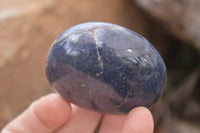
(52, 114)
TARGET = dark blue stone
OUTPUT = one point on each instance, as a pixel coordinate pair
(106, 68)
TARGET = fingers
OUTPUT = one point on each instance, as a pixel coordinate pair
(43, 116)
(81, 121)
(112, 124)
(139, 120)
(52, 113)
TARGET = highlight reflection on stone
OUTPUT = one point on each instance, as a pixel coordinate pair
(106, 68)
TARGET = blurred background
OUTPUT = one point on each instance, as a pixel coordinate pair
(29, 27)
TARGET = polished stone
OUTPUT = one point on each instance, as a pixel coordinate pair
(106, 68)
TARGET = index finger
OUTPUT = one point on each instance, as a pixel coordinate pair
(43, 116)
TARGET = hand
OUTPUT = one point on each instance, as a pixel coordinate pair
(52, 114)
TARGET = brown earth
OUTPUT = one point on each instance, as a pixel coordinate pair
(29, 27)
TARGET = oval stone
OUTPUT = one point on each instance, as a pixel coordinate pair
(105, 68)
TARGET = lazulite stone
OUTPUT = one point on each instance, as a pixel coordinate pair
(106, 68)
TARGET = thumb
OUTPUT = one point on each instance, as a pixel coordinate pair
(139, 120)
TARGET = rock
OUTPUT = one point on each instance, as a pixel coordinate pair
(181, 17)
(106, 68)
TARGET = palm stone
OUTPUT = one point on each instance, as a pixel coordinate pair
(105, 68)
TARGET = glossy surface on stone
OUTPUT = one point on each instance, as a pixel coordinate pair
(106, 68)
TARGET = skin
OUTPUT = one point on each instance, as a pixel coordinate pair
(53, 114)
